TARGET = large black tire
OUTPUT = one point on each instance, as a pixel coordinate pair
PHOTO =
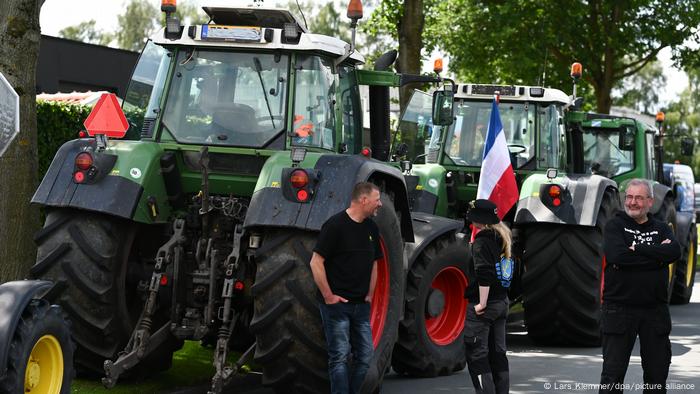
(667, 214)
(685, 270)
(562, 279)
(41, 342)
(431, 343)
(87, 256)
(291, 345)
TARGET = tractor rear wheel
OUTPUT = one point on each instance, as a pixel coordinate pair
(291, 345)
(430, 334)
(40, 358)
(667, 214)
(685, 272)
(562, 279)
(87, 256)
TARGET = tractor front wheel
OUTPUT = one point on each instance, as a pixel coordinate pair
(430, 334)
(40, 359)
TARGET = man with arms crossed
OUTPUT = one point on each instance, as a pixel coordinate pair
(638, 250)
(345, 271)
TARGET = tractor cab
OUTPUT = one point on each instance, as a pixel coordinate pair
(250, 78)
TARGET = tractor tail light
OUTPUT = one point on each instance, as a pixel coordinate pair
(83, 161)
(299, 178)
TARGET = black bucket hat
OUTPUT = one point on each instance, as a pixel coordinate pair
(482, 211)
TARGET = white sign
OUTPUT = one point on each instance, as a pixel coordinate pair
(9, 114)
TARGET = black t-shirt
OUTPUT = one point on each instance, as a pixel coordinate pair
(349, 249)
(639, 276)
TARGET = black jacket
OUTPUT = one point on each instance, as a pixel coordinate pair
(639, 276)
(486, 252)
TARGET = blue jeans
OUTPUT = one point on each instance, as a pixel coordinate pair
(347, 331)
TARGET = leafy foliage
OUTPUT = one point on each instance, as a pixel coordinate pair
(87, 32)
(137, 23)
(641, 91)
(519, 41)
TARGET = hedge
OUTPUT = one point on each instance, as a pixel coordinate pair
(58, 123)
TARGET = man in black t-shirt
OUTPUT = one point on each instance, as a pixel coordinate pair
(345, 271)
(638, 250)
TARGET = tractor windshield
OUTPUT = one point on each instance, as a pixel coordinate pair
(602, 154)
(227, 98)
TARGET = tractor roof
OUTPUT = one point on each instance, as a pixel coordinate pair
(511, 93)
(256, 28)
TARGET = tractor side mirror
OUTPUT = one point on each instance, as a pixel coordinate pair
(443, 110)
(687, 146)
(626, 142)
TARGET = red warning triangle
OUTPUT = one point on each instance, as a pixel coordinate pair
(107, 118)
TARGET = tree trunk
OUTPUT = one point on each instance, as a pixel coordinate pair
(410, 43)
(19, 50)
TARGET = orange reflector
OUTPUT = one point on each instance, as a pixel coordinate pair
(437, 65)
(660, 117)
(576, 70)
(168, 5)
(302, 195)
(554, 191)
(163, 280)
(83, 160)
(355, 9)
(299, 178)
(79, 177)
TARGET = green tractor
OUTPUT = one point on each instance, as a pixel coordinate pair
(558, 220)
(251, 136)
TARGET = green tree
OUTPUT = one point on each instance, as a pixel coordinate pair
(19, 50)
(136, 24)
(641, 90)
(86, 32)
(522, 40)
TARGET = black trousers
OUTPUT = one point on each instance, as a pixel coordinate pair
(485, 341)
(620, 326)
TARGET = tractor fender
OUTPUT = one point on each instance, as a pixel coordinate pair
(426, 229)
(14, 298)
(337, 175)
(113, 195)
(581, 197)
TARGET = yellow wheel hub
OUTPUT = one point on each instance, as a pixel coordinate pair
(44, 372)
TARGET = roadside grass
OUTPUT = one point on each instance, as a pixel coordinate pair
(192, 365)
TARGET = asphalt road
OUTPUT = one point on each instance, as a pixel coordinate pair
(555, 370)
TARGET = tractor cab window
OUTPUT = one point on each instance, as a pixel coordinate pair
(314, 103)
(551, 134)
(416, 129)
(227, 98)
(602, 155)
(467, 135)
(142, 100)
(351, 128)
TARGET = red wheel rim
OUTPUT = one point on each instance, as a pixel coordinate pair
(380, 298)
(444, 328)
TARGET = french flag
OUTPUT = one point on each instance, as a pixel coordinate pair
(497, 180)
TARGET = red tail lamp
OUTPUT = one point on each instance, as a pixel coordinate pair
(79, 177)
(302, 195)
(554, 191)
(164, 280)
(83, 161)
(239, 286)
(299, 178)
(366, 152)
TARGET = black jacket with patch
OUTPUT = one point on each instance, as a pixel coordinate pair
(639, 276)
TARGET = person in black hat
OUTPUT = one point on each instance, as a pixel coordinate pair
(485, 328)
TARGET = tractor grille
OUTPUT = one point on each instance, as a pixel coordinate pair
(234, 164)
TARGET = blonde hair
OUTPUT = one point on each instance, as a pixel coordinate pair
(505, 234)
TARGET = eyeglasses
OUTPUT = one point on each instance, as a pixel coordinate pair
(635, 198)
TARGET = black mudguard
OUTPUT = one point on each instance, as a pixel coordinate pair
(14, 298)
(661, 191)
(108, 194)
(338, 176)
(426, 229)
